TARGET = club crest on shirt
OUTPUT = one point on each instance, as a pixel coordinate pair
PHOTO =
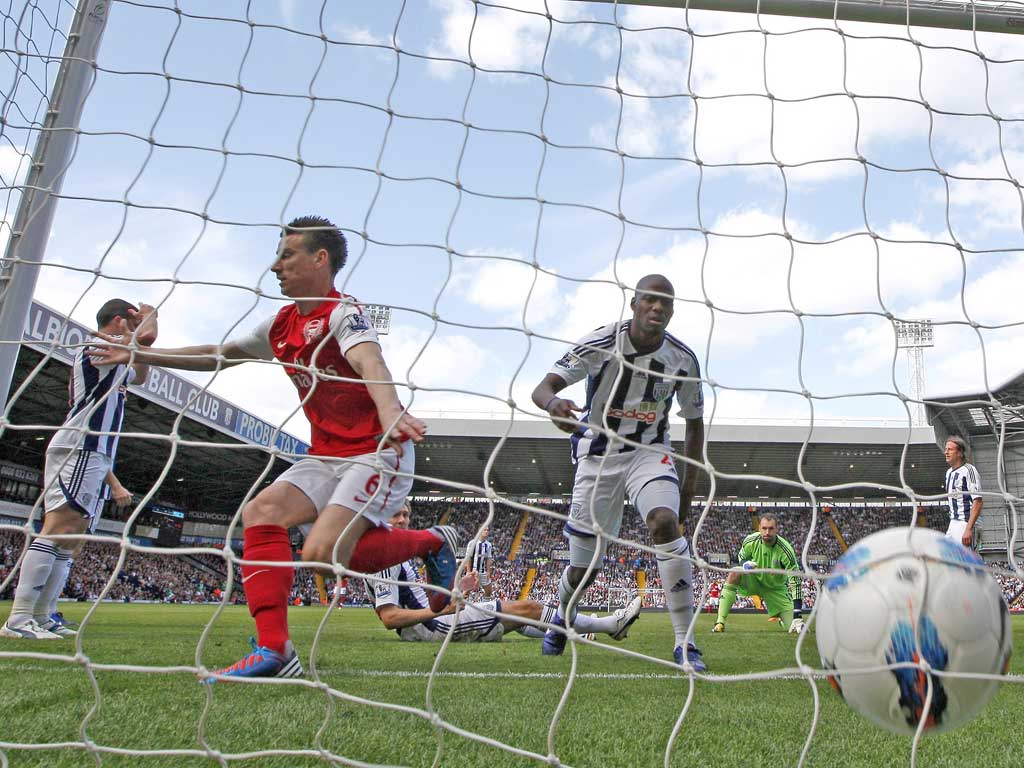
(662, 390)
(569, 361)
(313, 331)
(358, 323)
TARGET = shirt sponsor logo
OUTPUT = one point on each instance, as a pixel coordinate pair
(358, 323)
(645, 412)
(303, 380)
(569, 361)
(313, 330)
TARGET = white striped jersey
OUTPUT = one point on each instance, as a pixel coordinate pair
(638, 404)
(413, 597)
(479, 553)
(963, 486)
(96, 395)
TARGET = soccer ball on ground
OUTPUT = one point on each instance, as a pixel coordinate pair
(921, 601)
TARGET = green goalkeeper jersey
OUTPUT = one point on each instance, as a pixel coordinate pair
(780, 556)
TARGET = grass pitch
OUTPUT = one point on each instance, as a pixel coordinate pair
(620, 713)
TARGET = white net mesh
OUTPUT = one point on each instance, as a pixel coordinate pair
(504, 173)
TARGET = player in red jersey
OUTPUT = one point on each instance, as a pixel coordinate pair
(330, 351)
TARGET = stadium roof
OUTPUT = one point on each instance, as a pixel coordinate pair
(533, 459)
(201, 477)
(975, 414)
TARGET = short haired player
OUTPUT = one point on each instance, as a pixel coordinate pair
(963, 492)
(620, 444)
(405, 609)
(480, 555)
(346, 486)
(781, 594)
(79, 472)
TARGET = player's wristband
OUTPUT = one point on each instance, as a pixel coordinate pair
(548, 405)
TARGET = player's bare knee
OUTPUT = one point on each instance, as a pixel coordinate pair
(259, 511)
(64, 521)
(663, 523)
(658, 503)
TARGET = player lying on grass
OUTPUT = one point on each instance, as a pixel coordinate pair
(79, 471)
(405, 610)
(782, 595)
(329, 350)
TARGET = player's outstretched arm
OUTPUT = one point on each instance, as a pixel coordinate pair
(393, 617)
(545, 396)
(366, 360)
(204, 357)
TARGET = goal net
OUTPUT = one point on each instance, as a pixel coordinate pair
(810, 175)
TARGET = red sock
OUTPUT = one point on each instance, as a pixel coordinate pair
(381, 548)
(267, 589)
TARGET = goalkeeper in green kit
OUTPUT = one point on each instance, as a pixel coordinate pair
(782, 595)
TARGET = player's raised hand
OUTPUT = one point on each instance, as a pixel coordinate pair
(102, 352)
(143, 323)
(470, 582)
(561, 412)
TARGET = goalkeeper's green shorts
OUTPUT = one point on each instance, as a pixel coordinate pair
(776, 599)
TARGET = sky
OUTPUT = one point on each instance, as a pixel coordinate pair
(503, 180)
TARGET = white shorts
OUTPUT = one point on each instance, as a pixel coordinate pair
(475, 626)
(359, 483)
(598, 492)
(956, 530)
(75, 478)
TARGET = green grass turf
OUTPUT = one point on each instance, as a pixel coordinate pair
(608, 722)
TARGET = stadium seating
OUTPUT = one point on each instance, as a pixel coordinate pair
(201, 578)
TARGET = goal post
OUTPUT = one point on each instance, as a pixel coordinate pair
(54, 148)
(990, 16)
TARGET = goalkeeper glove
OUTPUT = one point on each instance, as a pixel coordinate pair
(796, 627)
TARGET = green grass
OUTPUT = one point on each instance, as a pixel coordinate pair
(608, 722)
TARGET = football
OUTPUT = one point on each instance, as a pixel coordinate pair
(913, 607)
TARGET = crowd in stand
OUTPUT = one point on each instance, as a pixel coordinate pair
(201, 578)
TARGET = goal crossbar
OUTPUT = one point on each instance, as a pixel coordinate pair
(945, 14)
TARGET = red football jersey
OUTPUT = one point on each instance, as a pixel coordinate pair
(342, 415)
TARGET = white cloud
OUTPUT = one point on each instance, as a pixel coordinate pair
(998, 201)
(494, 38)
(502, 286)
(14, 165)
(352, 33)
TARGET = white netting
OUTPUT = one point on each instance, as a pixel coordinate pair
(504, 173)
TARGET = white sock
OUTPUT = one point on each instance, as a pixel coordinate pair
(32, 576)
(47, 603)
(586, 624)
(547, 615)
(677, 581)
